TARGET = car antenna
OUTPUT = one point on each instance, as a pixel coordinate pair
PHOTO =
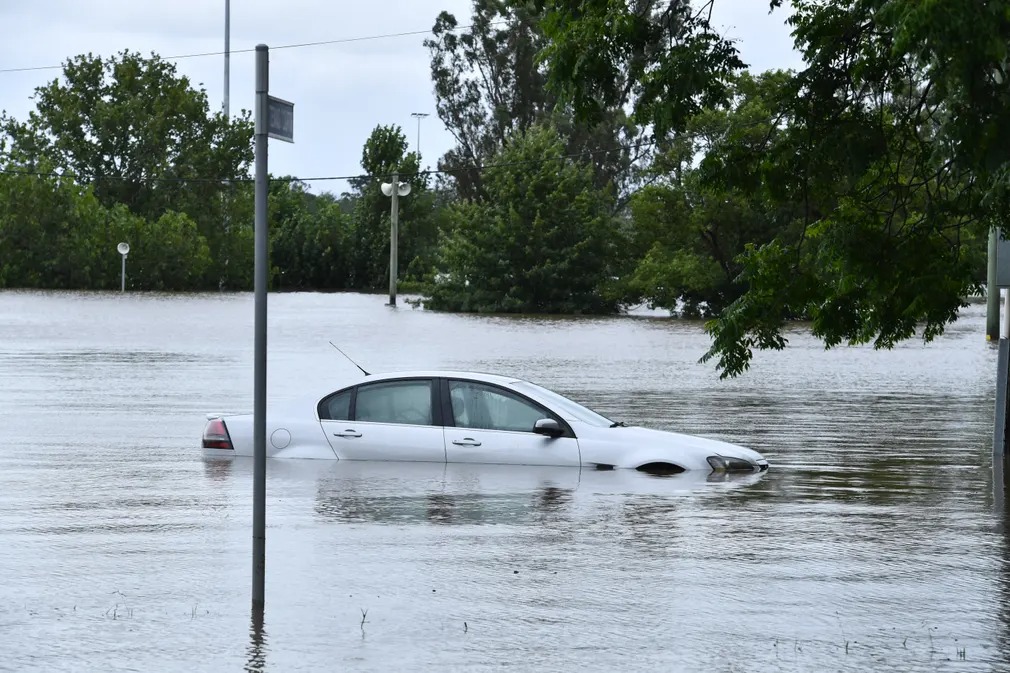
(352, 361)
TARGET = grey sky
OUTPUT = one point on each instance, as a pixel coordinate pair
(341, 92)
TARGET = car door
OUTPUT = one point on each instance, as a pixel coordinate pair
(487, 423)
(386, 420)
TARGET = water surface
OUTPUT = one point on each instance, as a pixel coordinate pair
(871, 544)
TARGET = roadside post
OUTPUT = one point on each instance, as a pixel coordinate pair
(274, 118)
(394, 189)
(1000, 443)
(123, 249)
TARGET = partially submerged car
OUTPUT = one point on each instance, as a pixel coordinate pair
(468, 417)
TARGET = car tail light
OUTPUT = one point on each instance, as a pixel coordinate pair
(215, 435)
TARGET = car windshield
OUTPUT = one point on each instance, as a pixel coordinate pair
(564, 406)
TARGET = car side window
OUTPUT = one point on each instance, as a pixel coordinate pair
(407, 402)
(336, 407)
(483, 407)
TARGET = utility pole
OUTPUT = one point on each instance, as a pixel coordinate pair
(227, 58)
(227, 118)
(418, 116)
(395, 189)
(394, 234)
(992, 291)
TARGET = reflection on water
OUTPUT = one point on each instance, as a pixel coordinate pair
(486, 495)
(256, 659)
(871, 544)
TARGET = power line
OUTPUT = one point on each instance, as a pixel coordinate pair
(300, 45)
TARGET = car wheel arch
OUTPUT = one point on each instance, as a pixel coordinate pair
(661, 468)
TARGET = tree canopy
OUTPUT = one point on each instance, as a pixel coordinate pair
(887, 166)
(544, 241)
(142, 137)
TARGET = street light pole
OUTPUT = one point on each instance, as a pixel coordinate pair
(418, 116)
(227, 58)
(395, 189)
(123, 249)
(394, 234)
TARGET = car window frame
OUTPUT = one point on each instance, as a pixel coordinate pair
(450, 420)
(436, 407)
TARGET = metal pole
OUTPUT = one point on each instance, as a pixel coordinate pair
(991, 291)
(260, 360)
(227, 58)
(227, 118)
(1004, 328)
(122, 276)
(419, 116)
(393, 235)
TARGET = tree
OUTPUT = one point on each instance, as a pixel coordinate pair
(47, 228)
(662, 56)
(140, 135)
(55, 234)
(900, 159)
(308, 238)
(166, 254)
(690, 228)
(489, 85)
(384, 153)
(893, 165)
(543, 242)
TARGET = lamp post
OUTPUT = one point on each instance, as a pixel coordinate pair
(418, 116)
(395, 189)
(227, 58)
(123, 249)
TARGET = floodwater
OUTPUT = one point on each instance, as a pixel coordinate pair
(871, 544)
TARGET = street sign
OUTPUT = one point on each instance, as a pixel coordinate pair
(1003, 263)
(280, 119)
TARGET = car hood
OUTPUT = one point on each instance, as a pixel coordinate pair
(641, 445)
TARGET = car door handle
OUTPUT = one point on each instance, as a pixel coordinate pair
(347, 433)
(467, 441)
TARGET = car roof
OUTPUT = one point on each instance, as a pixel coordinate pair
(434, 373)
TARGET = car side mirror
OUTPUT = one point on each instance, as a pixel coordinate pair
(549, 427)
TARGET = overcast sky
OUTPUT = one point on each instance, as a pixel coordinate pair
(341, 91)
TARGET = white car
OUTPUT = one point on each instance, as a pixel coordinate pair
(466, 417)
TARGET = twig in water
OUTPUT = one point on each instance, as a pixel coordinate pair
(842, 628)
(364, 613)
(464, 627)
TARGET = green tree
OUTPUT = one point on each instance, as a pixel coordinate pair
(384, 153)
(140, 135)
(711, 202)
(166, 254)
(489, 85)
(893, 165)
(47, 228)
(308, 238)
(544, 241)
(662, 56)
(55, 234)
(900, 160)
